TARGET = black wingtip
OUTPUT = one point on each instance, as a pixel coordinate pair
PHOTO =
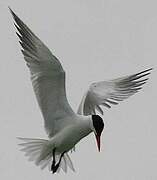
(16, 18)
(11, 11)
(147, 70)
(141, 74)
(9, 8)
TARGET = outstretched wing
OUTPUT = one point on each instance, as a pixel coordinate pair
(47, 76)
(111, 92)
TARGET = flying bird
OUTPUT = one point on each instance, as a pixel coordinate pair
(64, 127)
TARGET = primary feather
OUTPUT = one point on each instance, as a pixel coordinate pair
(47, 76)
(110, 92)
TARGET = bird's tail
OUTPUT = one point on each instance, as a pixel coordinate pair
(40, 151)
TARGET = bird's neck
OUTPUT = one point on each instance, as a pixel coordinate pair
(87, 122)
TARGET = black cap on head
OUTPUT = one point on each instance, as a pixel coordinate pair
(98, 124)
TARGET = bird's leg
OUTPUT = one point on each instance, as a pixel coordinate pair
(54, 159)
(55, 167)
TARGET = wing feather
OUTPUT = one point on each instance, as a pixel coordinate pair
(48, 78)
(109, 93)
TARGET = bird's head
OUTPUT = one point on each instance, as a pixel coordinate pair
(98, 126)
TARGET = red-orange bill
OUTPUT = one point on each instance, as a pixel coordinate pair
(98, 142)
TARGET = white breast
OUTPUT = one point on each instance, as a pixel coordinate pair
(71, 135)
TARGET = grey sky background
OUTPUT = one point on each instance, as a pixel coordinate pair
(94, 40)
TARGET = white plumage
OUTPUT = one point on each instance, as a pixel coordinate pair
(64, 127)
(110, 92)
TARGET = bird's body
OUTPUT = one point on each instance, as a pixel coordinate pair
(66, 139)
(64, 127)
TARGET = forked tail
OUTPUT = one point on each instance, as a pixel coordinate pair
(40, 151)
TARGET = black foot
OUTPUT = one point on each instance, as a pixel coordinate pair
(53, 166)
(54, 160)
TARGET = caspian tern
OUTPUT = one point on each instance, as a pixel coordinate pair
(64, 127)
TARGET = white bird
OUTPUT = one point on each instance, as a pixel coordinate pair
(64, 127)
